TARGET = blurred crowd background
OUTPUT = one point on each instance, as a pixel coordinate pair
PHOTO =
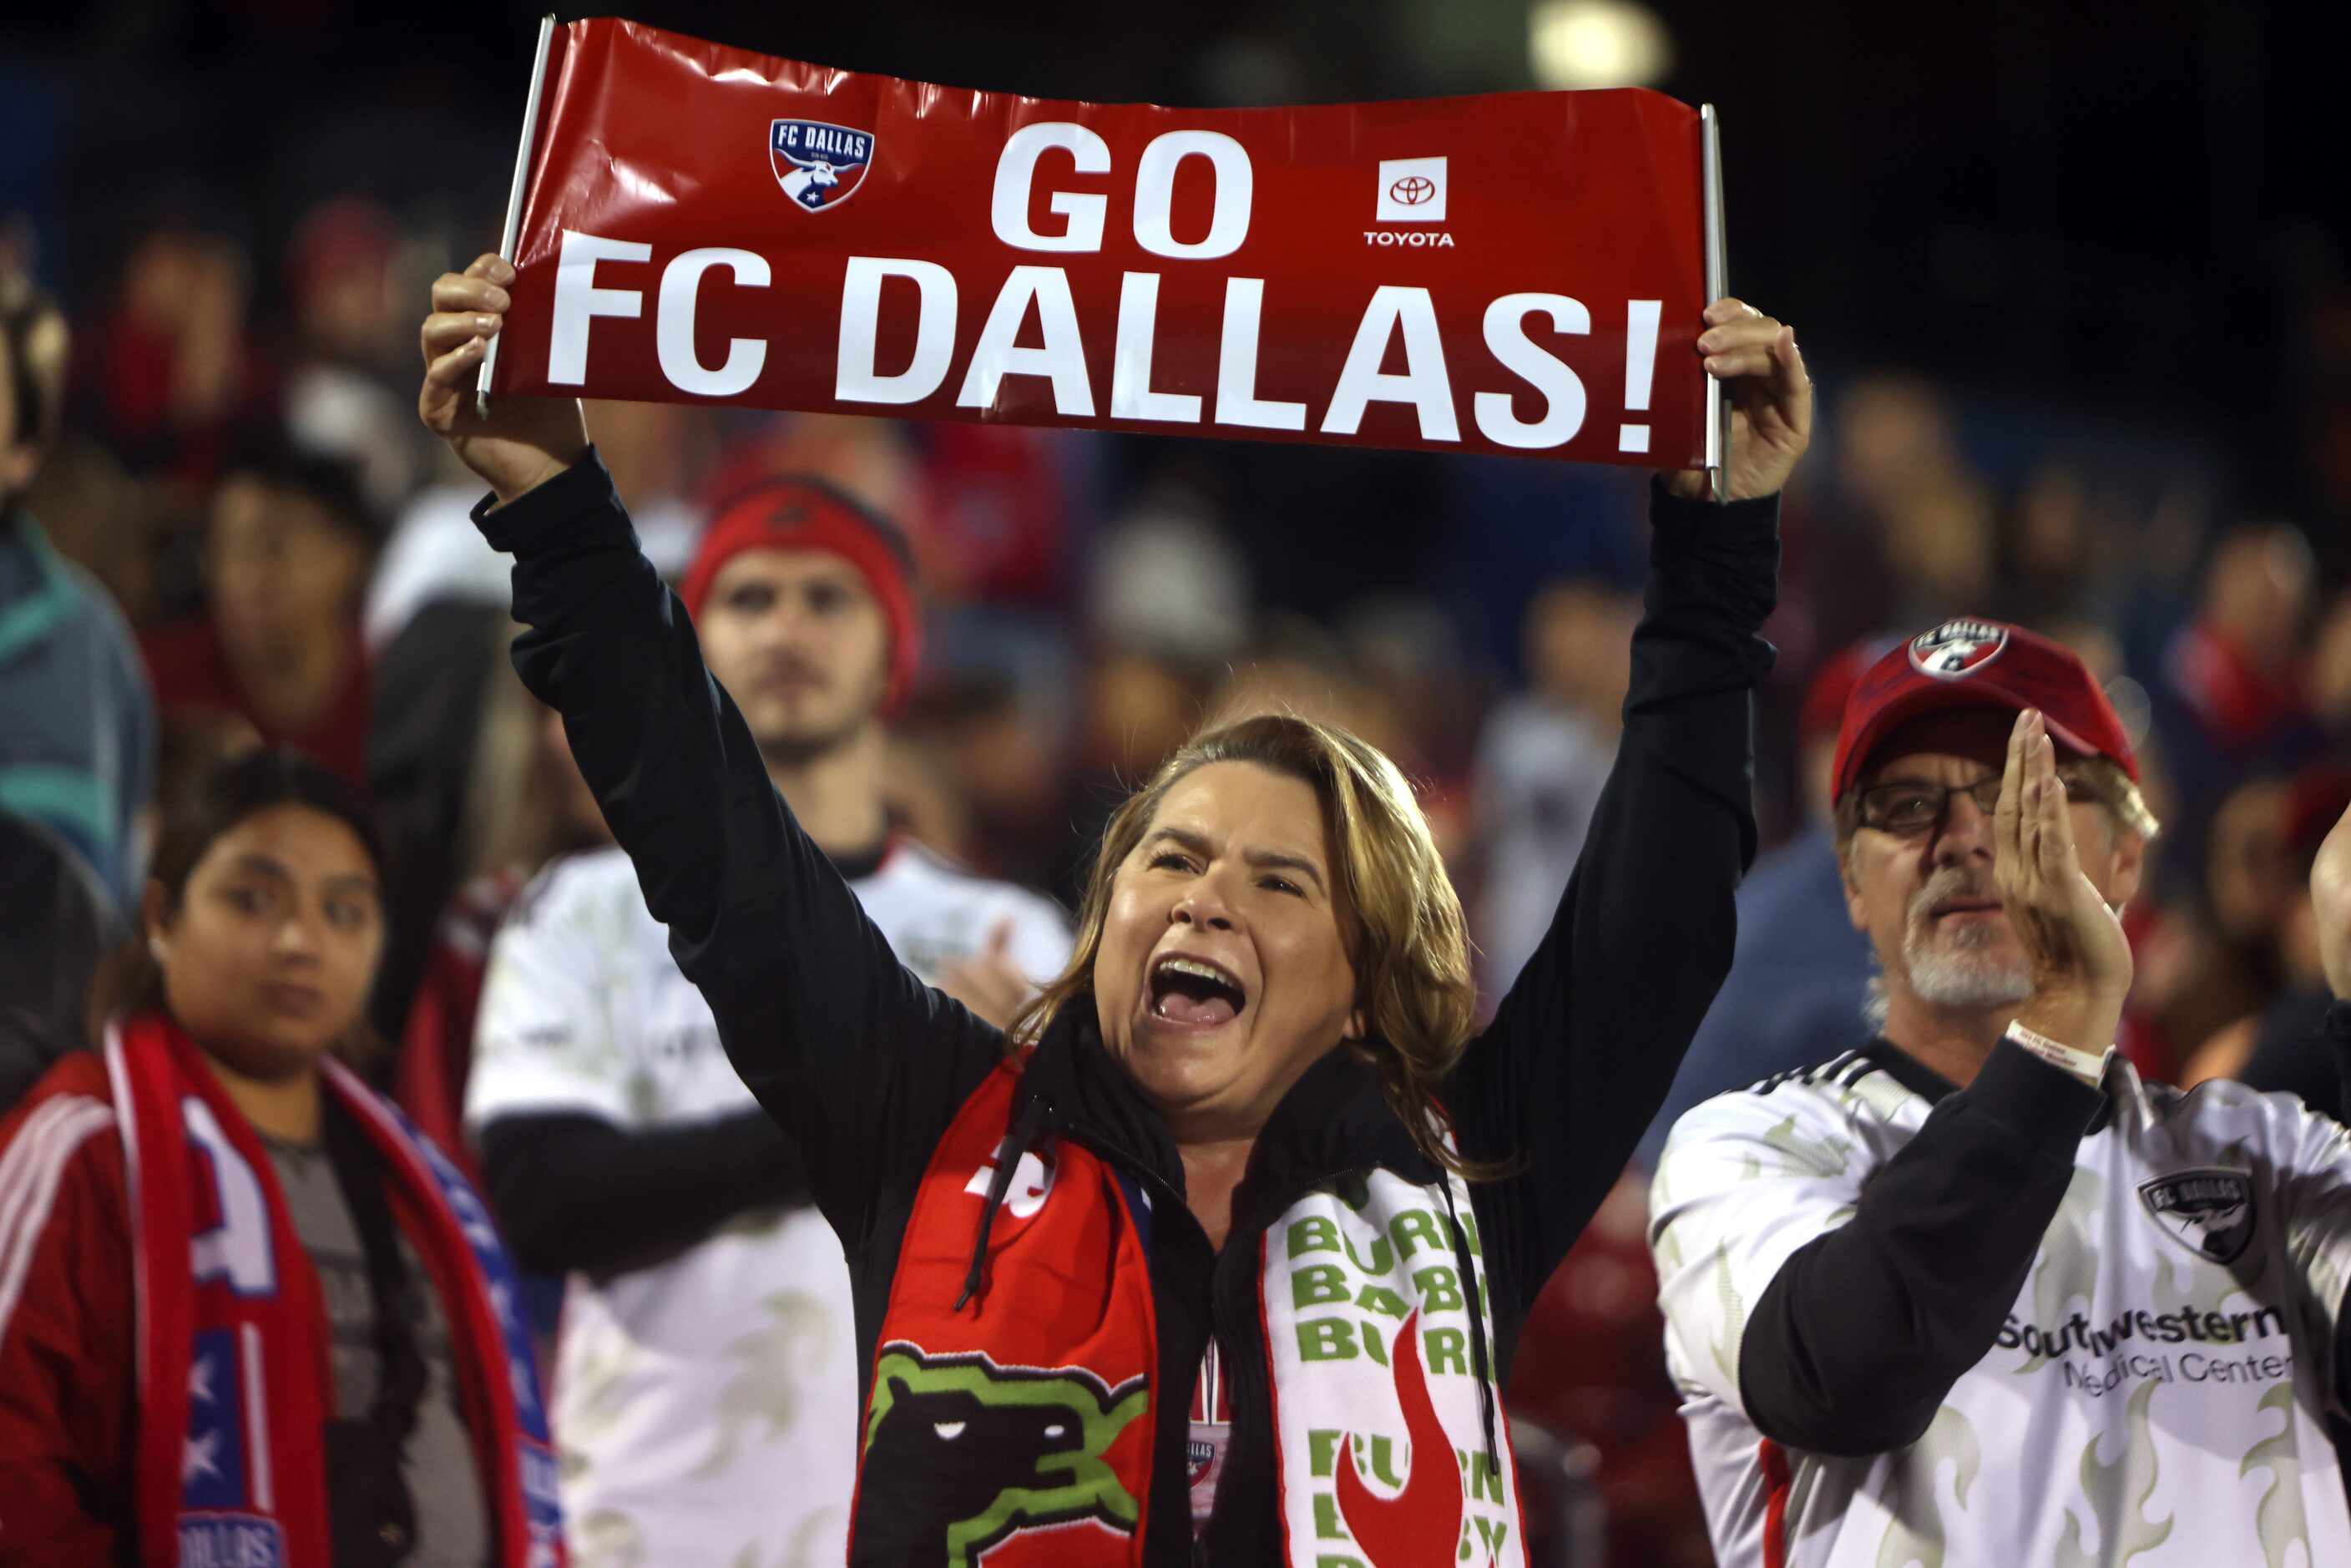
(2075, 283)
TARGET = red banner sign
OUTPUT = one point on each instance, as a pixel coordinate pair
(1517, 273)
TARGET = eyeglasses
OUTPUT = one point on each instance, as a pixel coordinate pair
(1912, 806)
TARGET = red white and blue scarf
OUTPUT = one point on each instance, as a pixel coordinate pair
(234, 1367)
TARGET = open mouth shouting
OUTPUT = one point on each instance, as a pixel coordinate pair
(1194, 993)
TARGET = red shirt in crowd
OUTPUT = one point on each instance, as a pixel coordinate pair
(192, 677)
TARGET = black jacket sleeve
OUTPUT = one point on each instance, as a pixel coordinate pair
(1581, 1051)
(1859, 1337)
(573, 1191)
(862, 1064)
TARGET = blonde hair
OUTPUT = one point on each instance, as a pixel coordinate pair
(1398, 916)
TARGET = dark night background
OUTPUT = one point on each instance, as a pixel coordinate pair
(2122, 210)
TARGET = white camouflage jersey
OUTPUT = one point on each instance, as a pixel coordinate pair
(705, 1408)
(2156, 1396)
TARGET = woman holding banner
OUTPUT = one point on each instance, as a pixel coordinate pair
(1225, 1247)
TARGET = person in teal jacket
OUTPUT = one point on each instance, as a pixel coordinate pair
(76, 720)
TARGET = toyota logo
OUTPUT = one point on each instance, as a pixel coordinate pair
(1412, 190)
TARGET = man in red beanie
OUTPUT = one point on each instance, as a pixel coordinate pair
(802, 601)
(706, 1392)
(1975, 1294)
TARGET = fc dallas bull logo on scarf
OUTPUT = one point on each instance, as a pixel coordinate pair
(819, 165)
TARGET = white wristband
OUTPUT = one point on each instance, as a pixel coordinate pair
(2090, 1067)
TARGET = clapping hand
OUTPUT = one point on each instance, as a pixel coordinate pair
(2074, 943)
(2330, 892)
(989, 982)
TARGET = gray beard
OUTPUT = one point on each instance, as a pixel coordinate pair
(1966, 971)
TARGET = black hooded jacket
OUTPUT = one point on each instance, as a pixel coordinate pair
(865, 1068)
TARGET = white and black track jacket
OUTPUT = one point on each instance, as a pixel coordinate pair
(2029, 1321)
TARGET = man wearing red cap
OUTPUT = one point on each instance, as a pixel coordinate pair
(1974, 1293)
(706, 1395)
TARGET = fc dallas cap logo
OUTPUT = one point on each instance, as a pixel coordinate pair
(1957, 649)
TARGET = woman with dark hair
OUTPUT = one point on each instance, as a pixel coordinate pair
(246, 1315)
(1223, 1250)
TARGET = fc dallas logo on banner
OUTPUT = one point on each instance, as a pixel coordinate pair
(819, 165)
(1517, 273)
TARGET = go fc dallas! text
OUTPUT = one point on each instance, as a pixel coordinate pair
(1401, 319)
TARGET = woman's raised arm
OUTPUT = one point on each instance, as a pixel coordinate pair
(1581, 1051)
(861, 1063)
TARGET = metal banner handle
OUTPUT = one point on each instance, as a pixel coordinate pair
(1717, 283)
(514, 199)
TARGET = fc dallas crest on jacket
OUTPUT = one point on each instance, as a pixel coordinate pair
(2210, 1211)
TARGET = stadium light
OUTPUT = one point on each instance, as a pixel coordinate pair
(1597, 43)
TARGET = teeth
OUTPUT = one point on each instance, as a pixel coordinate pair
(1198, 971)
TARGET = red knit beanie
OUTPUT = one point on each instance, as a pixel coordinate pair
(797, 512)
